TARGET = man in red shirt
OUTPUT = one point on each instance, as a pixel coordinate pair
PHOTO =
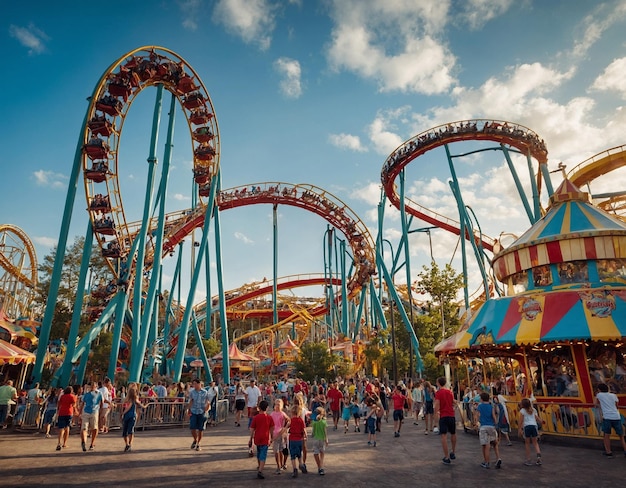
(66, 406)
(261, 430)
(335, 398)
(444, 411)
(398, 398)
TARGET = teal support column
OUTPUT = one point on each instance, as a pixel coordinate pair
(82, 367)
(275, 263)
(344, 289)
(208, 375)
(543, 167)
(120, 311)
(147, 319)
(55, 279)
(184, 326)
(66, 367)
(209, 302)
(377, 307)
(464, 232)
(535, 190)
(220, 292)
(137, 352)
(359, 314)
(168, 310)
(518, 184)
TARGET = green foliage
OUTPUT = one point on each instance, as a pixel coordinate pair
(315, 361)
(211, 347)
(98, 364)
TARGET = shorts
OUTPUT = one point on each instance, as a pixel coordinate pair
(487, 435)
(429, 408)
(64, 421)
(197, 421)
(278, 444)
(616, 425)
(417, 406)
(447, 425)
(48, 416)
(261, 453)
(295, 449)
(89, 421)
(398, 415)
(319, 446)
(370, 425)
(336, 414)
(240, 405)
(504, 428)
(128, 426)
(530, 431)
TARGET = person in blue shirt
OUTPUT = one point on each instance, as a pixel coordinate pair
(199, 405)
(487, 416)
(90, 405)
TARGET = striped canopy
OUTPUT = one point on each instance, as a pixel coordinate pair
(10, 354)
(583, 314)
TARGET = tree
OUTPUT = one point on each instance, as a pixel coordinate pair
(68, 286)
(315, 361)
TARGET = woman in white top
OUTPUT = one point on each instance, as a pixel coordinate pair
(528, 427)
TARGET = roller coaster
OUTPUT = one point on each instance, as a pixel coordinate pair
(354, 288)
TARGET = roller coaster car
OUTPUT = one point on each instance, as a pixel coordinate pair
(100, 204)
(109, 105)
(120, 88)
(97, 173)
(105, 226)
(96, 148)
(100, 126)
(186, 85)
(114, 253)
(205, 190)
(199, 117)
(193, 100)
(201, 176)
(203, 134)
(204, 152)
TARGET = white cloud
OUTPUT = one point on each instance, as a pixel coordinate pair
(243, 238)
(180, 197)
(394, 43)
(31, 37)
(50, 179)
(612, 78)
(347, 141)
(190, 10)
(45, 241)
(291, 84)
(595, 24)
(478, 12)
(380, 130)
(252, 20)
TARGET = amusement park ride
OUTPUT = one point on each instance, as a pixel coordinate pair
(551, 304)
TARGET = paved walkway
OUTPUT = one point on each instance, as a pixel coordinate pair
(164, 458)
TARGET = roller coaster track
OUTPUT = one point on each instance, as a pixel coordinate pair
(598, 165)
(18, 270)
(113, 96)
(505, 133)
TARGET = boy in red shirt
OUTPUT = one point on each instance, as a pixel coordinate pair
(66, 406)
(398, 398)
(261, 431)
(297, 435)
(444, 411)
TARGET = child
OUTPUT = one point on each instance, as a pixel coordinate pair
(129, 415)
(370, 422)
(346, 413)
(528, 418)
(261, 430)
(356, 414)
(503, 418)
(487, 416)
(297, 436)
(320, 439)
(281, 424)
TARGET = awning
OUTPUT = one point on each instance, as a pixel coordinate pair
(10, 354)
(17, 331)
(597, 314)
(235, 354)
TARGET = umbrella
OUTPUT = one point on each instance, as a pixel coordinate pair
(10, 354)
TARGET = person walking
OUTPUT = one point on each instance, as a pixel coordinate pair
(487, 416)
(398, 398)
(608, 403)
(297, 436)
(429, 406)
(8, 394)
(444, 411)
(240, 403)
(129, 415)
(527, 421)
(417, 397)
(320, 440)
(90, 405)
(253, 394)
(66, 407)
(279, 436)
(199, 405)
(261, 431)
(50, 409)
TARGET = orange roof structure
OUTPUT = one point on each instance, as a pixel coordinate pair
(235, 354)
(10, 354)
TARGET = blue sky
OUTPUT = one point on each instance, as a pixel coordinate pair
(318, 93)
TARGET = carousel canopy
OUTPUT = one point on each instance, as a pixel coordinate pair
(584, 314)
(10, 354)
(288, 345)
(235, 354)
(17, 331)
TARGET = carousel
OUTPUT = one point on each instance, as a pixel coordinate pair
(560, 330)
